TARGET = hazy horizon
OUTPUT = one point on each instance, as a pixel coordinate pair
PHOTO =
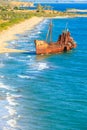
(56, 1)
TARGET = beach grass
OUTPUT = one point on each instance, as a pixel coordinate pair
(12, 17)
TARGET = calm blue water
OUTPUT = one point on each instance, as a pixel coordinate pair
(62, 7)
(45, 92)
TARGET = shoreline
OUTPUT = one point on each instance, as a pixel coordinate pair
(10, 33)
(76, 10)
(67, 16)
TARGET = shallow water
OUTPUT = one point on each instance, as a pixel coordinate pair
(45, 92)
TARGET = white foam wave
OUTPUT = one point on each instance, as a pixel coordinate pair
(24, 76)
(42, 66)
(5, 116)
(13, 42)
(33, 36)
(12, 123)
(2, 76)
(5, 86)
(14, 95)
(11, 99)
(38, 32)
(6, 128)
(8, 56)
(11, 110)
(40, 27)
(21, 60)
(1, 65)
(28, 56)
(2, 85)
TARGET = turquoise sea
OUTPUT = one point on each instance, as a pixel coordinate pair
(45, 92)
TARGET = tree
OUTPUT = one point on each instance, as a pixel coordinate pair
(16, 8)
(40, 8)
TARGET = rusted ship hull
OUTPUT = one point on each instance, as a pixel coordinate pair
(53, 48)
(64, 43)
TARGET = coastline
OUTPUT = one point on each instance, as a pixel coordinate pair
(67, 16)
(76, 10)
(10, 34)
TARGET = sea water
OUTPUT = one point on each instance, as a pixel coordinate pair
(45, 92)
(61, 6)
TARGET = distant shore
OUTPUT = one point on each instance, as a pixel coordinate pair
(10, 34)
(67, 16)
(76, 10)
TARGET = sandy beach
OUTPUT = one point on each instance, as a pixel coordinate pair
(10, 34)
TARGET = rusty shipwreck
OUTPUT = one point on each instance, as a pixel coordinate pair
(64, 43)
